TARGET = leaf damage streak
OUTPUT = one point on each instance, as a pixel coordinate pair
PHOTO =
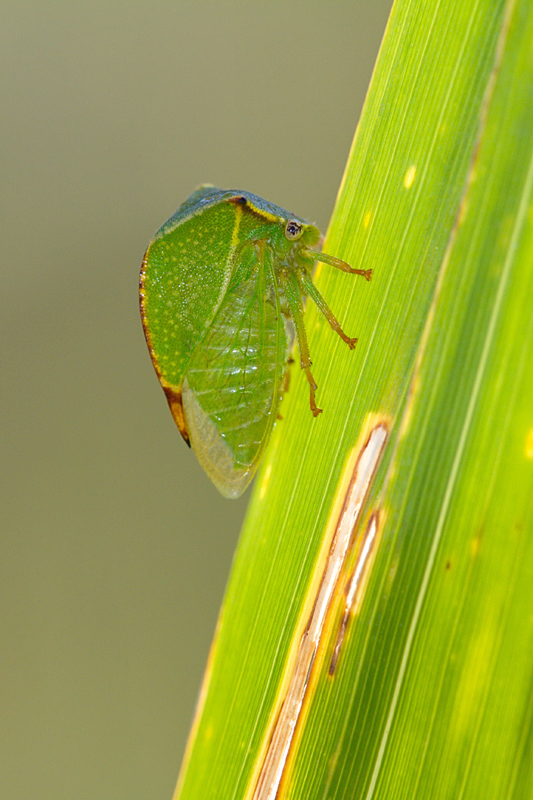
(362, 474)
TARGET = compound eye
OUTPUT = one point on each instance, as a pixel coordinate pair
(293, 230)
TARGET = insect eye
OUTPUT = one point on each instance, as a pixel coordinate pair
(293, 229)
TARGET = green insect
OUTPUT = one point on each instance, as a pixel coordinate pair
(221, 291)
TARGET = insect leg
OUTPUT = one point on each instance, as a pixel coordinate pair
(336, 262)
(287, 377)
(266, 261)
(311, 291)
(292, 292)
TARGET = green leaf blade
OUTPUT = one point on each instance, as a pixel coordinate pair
(468, 513)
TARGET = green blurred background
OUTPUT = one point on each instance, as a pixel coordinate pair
(115, 548)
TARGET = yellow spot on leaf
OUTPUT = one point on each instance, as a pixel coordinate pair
(529, 444)
(367, 218)
(264, 482)
(410, 176)
(473, 682)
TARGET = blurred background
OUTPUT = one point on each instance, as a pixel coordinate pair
(115, 548)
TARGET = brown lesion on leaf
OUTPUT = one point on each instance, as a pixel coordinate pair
(296, 689)
(354, 589)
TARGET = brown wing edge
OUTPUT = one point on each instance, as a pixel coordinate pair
(176, 409)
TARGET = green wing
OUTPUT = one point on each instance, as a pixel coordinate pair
(232, 387)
